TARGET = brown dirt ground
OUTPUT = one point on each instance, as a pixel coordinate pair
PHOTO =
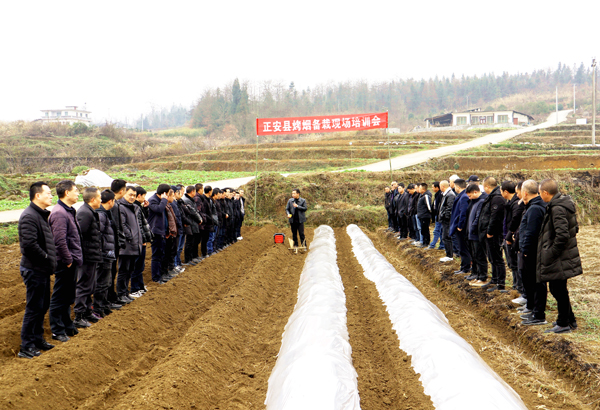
(521, 162)
(386, 379)
(547, 371)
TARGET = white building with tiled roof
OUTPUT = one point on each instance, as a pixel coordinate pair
(68, 115)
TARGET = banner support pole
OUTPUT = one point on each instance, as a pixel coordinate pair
(256, 172)
(389, 144)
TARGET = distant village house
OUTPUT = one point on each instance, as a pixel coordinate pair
(476, 117)
(69, 115)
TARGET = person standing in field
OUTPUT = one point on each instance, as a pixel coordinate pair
(558, 255)
(38, 262)
(296, 213)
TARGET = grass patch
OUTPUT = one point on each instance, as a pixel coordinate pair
(9, 233)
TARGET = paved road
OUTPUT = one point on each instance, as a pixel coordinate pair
(409, 160)
(399, 162)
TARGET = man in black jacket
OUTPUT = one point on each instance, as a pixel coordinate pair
(411, 211)
(133, 245)
(531, 224)
(401, 210)
(558, 256)
(191, 232)
(296, 213)
(491, 220)
(118, 188)
(38, 262)
(91, 245)
(138, 288)
(444, 215)
(514, 209)
(108, 246)
(437, 229)
(388, 204)
(424, 211)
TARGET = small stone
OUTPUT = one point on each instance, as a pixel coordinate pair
(387, 400)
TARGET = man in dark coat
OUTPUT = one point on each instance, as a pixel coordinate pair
(531, 224)
(558, 256)
(91, 245)
(108, 248)
(424, 211)
(204, 206)
(514, 209)
(388, 204)
(38, 262)
(437, 229)
(491, 220)
(401, 211)
(193, 230)
(133, 245)
(444, 215)
(138, 288)
(296, 213)
(479, 271)
(157, 218)
(458, 224)
(118, 187)
(67, 239)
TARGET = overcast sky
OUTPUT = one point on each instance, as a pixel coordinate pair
(121, 57)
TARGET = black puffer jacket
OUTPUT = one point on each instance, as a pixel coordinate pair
(107, 234)
(531, 224)
(91, 242)
(558, 255)
(491, 217)
(425, 206)
(147, 235)
(389, 196)
(190, 210)
(446, 207)
(514, 213)
(36, 240)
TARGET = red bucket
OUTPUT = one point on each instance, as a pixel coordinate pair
(278, 237)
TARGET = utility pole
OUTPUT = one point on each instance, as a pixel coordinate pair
(593, 101)
(574, 108)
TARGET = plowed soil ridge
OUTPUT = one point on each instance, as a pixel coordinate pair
(540, 383)
(386, 379)
(102, 364)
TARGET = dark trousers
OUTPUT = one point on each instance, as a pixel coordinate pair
(180, 245)
(37, 302)
(219, 241)
(403, 226)
(63, 296)
(112, 294)
(410, 225)
(102, 284)
(425, 230)
(137, 277)
(238, 226)
(297, 228)
(494, 253)
(395, 221)
(197, 242)
(536, 293)
(463, 250)
(170, 250)
(86, 286)
(158, 254)
(204, 242)
(513, 263)
(559, 290)
(390, 217)
(210, 247)
(447, 238)
(480, 264)
(190, 241)
(126, 268)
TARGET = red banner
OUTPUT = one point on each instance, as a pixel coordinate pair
(326, 123)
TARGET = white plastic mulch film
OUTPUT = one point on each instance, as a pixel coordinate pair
(94, 177)
(452, 373)
(314, 367)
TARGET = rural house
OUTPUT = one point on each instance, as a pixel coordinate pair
(69, 115)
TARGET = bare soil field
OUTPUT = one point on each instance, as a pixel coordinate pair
(521, 161)
(209, 338)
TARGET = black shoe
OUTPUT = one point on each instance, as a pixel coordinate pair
(106, 311)
(197, 260)
(526, 316)
(43, 345)
(71, 332)
(471, 277)
(558, 329)
(496, 287)
(572, 325)
(28, 353)
(90, 318)
(460, 272)
(80, 322)
(114, 306)
(61, 338)
(534, 322)
(124, 300)
(190, 263)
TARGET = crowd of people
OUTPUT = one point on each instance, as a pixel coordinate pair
(532, 223)
(97, 253)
